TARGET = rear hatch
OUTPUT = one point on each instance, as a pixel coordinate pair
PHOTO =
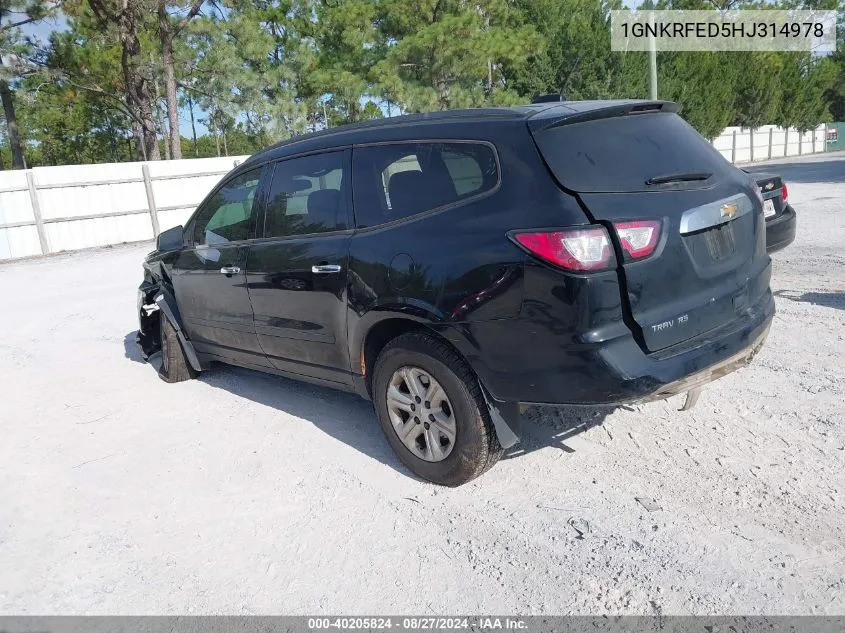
(641, 161)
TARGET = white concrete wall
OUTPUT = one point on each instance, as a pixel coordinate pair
(15, 208)
(783, 143)
(115, 193)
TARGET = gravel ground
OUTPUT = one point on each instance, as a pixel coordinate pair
(243, 493)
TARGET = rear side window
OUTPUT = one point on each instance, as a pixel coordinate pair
(398, 180)
(620, 153)
(306, 195)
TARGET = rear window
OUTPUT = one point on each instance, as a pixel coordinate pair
(620, 153)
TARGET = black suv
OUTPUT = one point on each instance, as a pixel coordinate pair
(451, 266)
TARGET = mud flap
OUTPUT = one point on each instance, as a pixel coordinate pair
(506, 419)
(167, 304)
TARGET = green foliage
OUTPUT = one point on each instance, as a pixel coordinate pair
(16, 52)
(13, 15)
(68, 126)
(835, 94)
(703, 84)
(576, 58)
(345, 37)
(757, 89)
(440, 54)
(338, 114)
(255, 63)
(253, 72)
(804, 83)
(239, 143)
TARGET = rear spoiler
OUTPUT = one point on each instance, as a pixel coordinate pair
(547, 120)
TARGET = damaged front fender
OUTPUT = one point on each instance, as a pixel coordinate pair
(148, 337)
(169, 310)
(155, 302)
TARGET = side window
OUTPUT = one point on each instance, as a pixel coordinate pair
(228, 216)
(306, 195)
(465, 172)
(395, 181)
(406, 163)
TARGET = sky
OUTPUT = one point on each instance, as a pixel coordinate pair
(41, 30)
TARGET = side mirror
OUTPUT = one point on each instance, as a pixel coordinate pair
(171, 239)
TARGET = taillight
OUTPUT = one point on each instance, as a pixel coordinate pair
(573, 249)
(639, 238)
(783, 193)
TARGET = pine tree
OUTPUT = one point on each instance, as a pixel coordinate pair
(450, 53)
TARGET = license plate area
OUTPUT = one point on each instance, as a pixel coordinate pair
(720, 241)
(714, 246)
(769, 208)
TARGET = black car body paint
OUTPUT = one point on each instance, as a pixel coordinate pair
(531, 332)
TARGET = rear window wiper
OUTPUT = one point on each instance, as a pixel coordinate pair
(680, 177)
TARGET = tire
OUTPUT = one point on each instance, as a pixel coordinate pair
(475, 448)
(174, 364)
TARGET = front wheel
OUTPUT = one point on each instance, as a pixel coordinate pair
(174, 364)
(431, 409)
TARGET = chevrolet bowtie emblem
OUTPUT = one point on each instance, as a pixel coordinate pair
(769, 186)
(728, 210)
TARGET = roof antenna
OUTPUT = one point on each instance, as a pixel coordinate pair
(571, 72)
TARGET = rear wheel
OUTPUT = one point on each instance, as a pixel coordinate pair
(431, 409)
(174, 364)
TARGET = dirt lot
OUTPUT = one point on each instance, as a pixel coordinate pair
(244, 493)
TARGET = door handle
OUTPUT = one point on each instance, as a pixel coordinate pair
(230, 270)
(325, 268)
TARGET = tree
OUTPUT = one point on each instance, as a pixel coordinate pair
(804, 81)
(836, 93)
(18, 161)
(169, 28)
(254, 62)
(71, 126)
(14, 49)
(576, 59)
(758, 91)
(258, 71)
(440, 54)
(345, 37)
(220, 124)
(215, 68)
(703, 84)
(188, 102)
(75, 110)
(124, 20)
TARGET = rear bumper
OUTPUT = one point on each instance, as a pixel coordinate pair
(780, 230)
(722, 368)
(516, 367)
